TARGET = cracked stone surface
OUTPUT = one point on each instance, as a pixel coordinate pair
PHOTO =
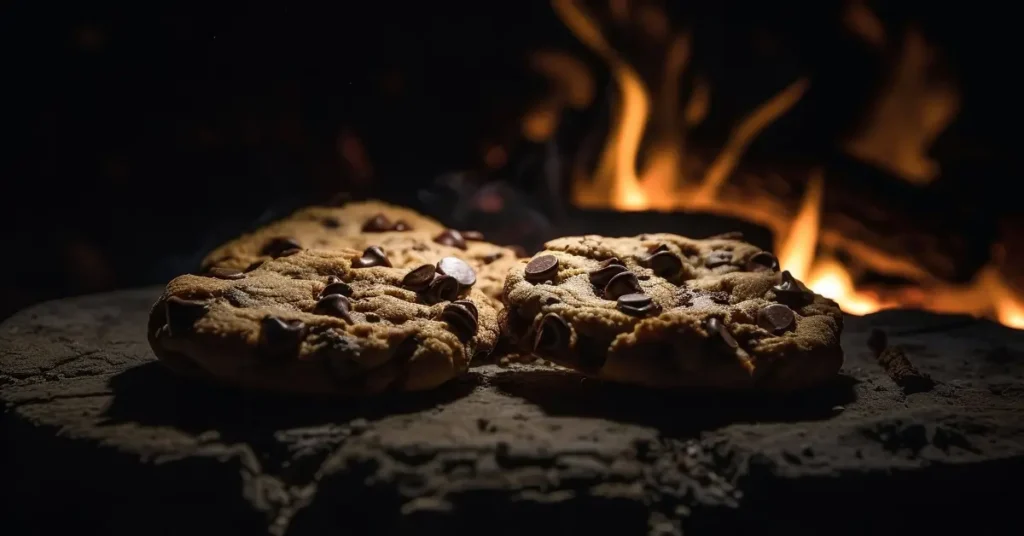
(98, 437)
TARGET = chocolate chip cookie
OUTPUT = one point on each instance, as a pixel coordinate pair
(409, 250)
(318, 227)
(662, 310)
(410, 239)
(326, 322)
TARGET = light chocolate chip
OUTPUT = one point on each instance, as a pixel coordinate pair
(636, 304)
(443, 288)
(622, 284)
(458, 269)
(461, 316)
(792, 291)
(372, 256)
(451, 238)
(418, 279)
(281, 246)
(605, 271)
(379, 223)
(543, 268)
(280, 338)
(776, 318)
(553, 335)
(665, 264)
(182, 314)
(716, 327)
(335, 305)
(336, 286)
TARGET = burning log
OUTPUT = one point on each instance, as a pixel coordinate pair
(881, 223)
(873, 207)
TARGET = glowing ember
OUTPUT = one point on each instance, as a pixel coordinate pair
(908, 116)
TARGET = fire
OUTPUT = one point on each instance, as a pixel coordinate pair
(909, 115)
(916, 105)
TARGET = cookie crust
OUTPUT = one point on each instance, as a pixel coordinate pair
(319, 322)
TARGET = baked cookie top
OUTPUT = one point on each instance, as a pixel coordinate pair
(319, 227)
(409, 250)
(662, 310)
(326, 322)
(409, 238)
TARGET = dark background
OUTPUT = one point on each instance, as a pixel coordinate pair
(143, 135)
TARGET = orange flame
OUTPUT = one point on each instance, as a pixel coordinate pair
(915, 106)
(896, 137)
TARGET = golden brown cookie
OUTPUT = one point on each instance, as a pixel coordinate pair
(662, 310)
(409, 250)
(326, 322)
(410, 239)
(320, 228)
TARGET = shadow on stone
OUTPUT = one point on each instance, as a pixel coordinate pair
(674, 413)
(151, 395)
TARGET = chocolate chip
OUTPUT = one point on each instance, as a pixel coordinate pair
(458, 269)
(792, 291)
(401, 225)
(330, 222)
(473, 235)
(665, 264)
(254, 265)
(225, 273)
(334, 305)
(452, 238)
(182, 314)
(542, 269)
(621, 284)
(444, 288)
(379, 223)
(336, 286)
(636, 304)
(491, 257)
(614, 261)
(372, 256)
(288, 252)
(718, 258)
(553, 336)
(461, 316)
(601, 276)
(657, 249)
(418, 279)
(716, 327)
(776, 318)
(763, 261)
(277, 246)
(280, 338)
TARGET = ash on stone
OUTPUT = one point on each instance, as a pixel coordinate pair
(91, 421)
